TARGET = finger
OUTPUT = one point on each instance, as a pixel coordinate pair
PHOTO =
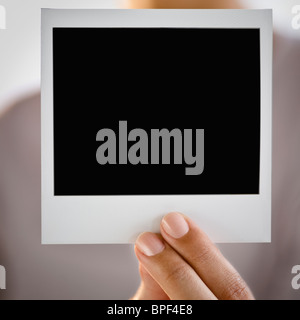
(169, 270)
(182, 234)
(149, 289)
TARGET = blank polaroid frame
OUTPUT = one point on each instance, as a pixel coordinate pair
(76, 209)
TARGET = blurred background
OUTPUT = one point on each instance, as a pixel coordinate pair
(111, 271)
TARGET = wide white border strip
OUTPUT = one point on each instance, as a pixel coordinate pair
(119, 219)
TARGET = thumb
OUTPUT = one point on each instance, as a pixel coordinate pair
(149, 289)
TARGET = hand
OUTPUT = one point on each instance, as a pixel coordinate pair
(183, 264)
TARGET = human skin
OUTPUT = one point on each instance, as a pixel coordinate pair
(183, 4)
(182, 263)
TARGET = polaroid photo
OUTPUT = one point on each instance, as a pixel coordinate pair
(146, 112)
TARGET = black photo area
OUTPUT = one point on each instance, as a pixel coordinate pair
(156, 78)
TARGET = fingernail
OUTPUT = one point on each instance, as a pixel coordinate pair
(175, 225)
(149, 243)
